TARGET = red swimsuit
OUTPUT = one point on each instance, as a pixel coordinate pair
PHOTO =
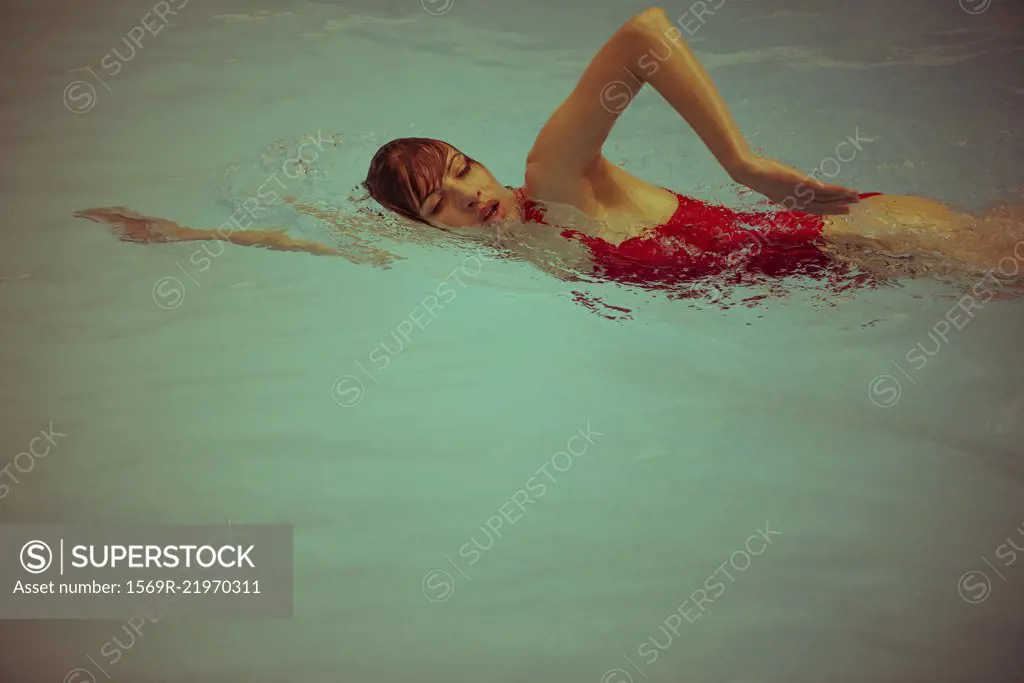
(702, 239)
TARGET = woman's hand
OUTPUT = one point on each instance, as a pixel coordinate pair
(792, 189)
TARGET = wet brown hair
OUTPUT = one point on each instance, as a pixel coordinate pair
(404, 171)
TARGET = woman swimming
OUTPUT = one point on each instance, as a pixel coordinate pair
(619, 226)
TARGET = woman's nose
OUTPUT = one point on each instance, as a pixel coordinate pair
(471, 196)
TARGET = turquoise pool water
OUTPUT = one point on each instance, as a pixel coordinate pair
(510, 487)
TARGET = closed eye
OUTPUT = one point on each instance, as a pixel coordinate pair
(463, 172)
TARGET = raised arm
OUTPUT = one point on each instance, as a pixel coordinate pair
(577, 130)
(649, 48)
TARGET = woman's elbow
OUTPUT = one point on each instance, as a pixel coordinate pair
(652, 19)
(655, 19)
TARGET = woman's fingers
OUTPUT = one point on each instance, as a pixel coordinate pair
(825, 201)
(828, 209)
(832, 196)
(830, 189)
(822, 204)
(836, 211)
(827, 192)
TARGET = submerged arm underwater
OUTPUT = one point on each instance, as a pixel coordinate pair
(130, 226)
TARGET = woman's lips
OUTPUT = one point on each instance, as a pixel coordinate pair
(493, 211)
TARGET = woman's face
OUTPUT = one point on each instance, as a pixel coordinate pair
(468, 196)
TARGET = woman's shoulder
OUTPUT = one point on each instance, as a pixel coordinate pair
(549, 181)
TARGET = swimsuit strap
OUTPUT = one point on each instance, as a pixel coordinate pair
(528, 208)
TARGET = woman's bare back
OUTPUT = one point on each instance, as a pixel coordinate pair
(909, 236)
